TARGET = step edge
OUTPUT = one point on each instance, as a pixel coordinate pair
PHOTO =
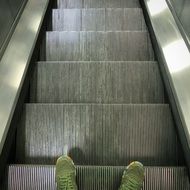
(101, 62)
(92, 166)
(118, 8)
(99, 104)
(118, 31)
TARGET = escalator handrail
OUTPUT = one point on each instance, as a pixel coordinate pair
(16, 59)
(175, 56)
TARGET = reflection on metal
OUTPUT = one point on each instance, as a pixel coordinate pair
(176, 55)
(175, 66)
(14, 63)
(156, 7)
(36, 21)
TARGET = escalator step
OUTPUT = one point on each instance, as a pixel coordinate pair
(30, 177)
(98, 3)
(98, 19)
(98, 46)
(96, 134)
(97, 82)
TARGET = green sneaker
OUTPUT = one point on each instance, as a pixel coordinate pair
(65, 174)
(133, 177)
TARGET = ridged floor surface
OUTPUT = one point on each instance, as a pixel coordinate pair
(98, 19)
(98, 46)
(97, 134)
(95, 178)
(97, 82)
(98, 3)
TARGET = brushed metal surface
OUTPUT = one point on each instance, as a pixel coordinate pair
(14, 63)
(176, 55)
(97, 82)
(99, 46)
(26, 177)
(98, 3)
(98, 134)
(115, 19)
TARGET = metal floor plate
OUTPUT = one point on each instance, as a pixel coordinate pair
(95, 178)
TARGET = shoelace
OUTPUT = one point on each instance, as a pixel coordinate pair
(65, 182)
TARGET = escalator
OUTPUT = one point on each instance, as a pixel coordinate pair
(98, 96)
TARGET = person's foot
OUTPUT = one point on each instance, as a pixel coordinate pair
(65, 174)
(133, 177)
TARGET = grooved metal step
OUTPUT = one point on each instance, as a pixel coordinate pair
(96, 178)
(96, 134)
(98, 46)
(97, 82)
(98, 19)
(98, 3)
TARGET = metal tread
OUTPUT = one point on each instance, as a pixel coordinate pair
(98, 3)
(92, 62)
(98, 46)
(96, 134)
(25, 177)
(98, 19)
(97, 82)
